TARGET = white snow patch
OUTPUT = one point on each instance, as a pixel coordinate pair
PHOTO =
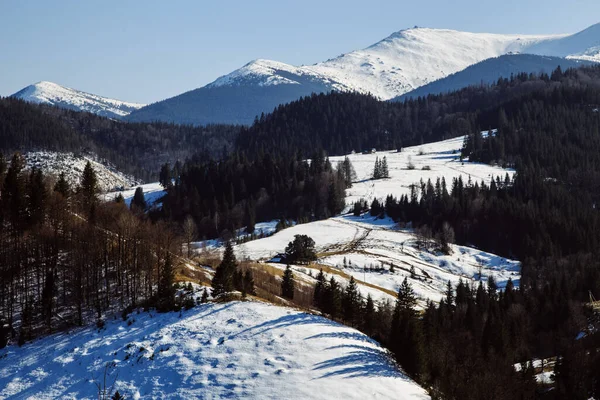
(233, 350)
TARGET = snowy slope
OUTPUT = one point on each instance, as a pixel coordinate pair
(414, 57)
(152, 193)
(396, 65)
(53, 163)
(370, 245)
(234, 350)
(53, 94)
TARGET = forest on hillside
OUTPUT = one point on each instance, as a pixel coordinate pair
(64, 255)
(138, 149)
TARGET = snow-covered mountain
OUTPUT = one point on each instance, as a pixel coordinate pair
(53, 94)
(240, 350)
(396, 65)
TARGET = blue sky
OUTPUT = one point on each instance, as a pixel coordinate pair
(149, 50)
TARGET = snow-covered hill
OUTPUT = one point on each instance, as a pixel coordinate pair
(53, 163)
(235, 350)
(53, 94)
(488, 71)
(370, 246)
(396, 65)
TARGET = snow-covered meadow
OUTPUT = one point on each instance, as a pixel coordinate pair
(152, 193)
(430, 161)
(233, 350)
(370, 246)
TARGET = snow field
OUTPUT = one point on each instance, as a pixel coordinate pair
(213, 351)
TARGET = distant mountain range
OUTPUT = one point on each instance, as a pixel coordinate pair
(53, 94)
(400, 63)
(490, 70)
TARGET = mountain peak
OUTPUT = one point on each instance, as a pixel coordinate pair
(46, 92)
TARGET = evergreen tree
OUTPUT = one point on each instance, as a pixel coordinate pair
(287, 284)
(384, 171)
(377, 173)
(319, 293)
(62, 186)
(332, 301)
(165, 177)
(223, 280)
(301, 250)
(88, 190)
(369, 316)
(351, 303)
(138, 203)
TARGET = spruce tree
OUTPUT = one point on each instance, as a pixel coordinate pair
(377, 169)
(223, 280)
(351, 303)
(62, 186)
(320, 286)
(165, 178)
(384, 172)
(369, 316)
(138, 203)
(88, 190)
(287, 284)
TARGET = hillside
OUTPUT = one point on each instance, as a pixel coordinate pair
(136, 149)
(490, 70)
(389, 68)
(232, 350)
(370, 245)
(53, 94)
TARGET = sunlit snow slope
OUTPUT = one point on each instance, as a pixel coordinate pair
(53, 94)
(235, 350)
(370, 246)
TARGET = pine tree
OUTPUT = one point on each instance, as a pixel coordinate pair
(301, 250)
(88, 190)
(369, 316)
(405, 335)
(62, 186)
(319, 293)
(385, 173)
(287, 284)
(165, 177)
(138, 203)
(377, 169)
(223, 280)
(332, 302)
(351, 303)
(449, 294)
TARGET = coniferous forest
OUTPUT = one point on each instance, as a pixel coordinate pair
(66, 257)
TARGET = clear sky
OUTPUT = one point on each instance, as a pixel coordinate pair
(148, 50)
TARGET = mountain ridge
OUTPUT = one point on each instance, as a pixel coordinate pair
(51, 93)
